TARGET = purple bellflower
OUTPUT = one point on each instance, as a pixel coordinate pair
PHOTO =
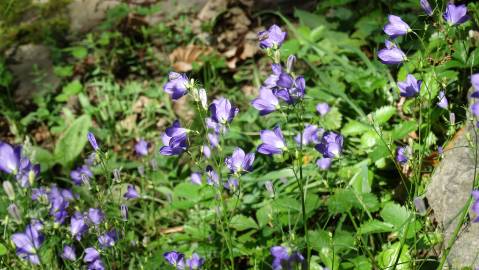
(69, 253)
(396, 27)
(289, 89)
(322, 108)
(475, 109)
(108, 239)
(196, 178)
(131, 192)
(176, 259)
(9, 158)
(28, 242)
(231, 184)
(324, 163)
(93, 142)
(284, 259)
(27, 173)
(81, 175)
(426, 7)
(267, 102)
(272, 80)
(273, 142)
(213, 139)
(310, 135)
(175, 140)
(475, 85)
(240, 162)
(475, 205)
(206, 150)
(222, 111)
(141, 148)
(78, 225)
(391, 55)
(402, 155)
(96, 216)
(212, 176)
(442, 103)
(59, 201)
(195, 262)
(455, 15)
(410, 87)
(331, 144)
(177, 85)
(92, 257)
(271, 38)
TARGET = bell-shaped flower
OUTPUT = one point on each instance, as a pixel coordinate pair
(271, 38)
(391, 55)
(410, 87)
(273, 142)
(240, 162)
(222, 111)
(9, 158)
(396, 27)
(267, 102)
(177, 85)
(455, 15)
(331, 144)
(426, 7)
(284, 258)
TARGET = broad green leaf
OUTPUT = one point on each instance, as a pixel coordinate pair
(332, 120)
(241, 223)
(353, 128)
(375, 226)
(71, 143)
(360, 180)
(264, 215)
(395, 257)
(187, 190)
(287, 172)
(403, 129)
(395, 214)
(320, 239)
(43, 157)
(383, 114)
(285, 204)
(3, 250)
(69, 90)
(361, 263)
(341, 202)
(369, 140)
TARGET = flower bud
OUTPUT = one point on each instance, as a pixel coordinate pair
(154, 164)
(203, 98)
(15, 212)
(124, 212)
(269, 188)
(116, 175)
(420, 205)
(290, 63)
(452, 118)
(8, 188)
(141, 170)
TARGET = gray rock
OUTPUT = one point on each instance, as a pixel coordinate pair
(86, 14)
(32, 69)
(450, 188)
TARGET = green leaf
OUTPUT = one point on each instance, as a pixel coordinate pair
(264, 215)
(360, 180)
(369, 140)
(383, 114)
(286, 172)
(403, 129)
(188, 190)
(71, 143)
(395, 214)
(285, 204)
(79, 52)
(353, 128)
(342, 201)
(43, 157)
(332, 120)
(241, 223)
(375, 226)
(388, 258)
(3, 250)
(69, 90)
(361, 263)
(63, 71)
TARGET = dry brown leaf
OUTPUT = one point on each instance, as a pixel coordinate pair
(182, 58)
(140, 104)
(129, 123)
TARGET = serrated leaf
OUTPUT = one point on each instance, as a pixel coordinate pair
(3, 250)
(264, 215)
(241, 223)
(383, 114)
(369, 140)
(286, 204)
(332, 120)
(341, 202)
(187, 190)
(388, 258)
(71, 143)
(375, 226)
(395, 214)
(403, 129)
(353, 128)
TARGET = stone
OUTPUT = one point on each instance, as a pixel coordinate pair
(447, 193)
(32, 68)
(86, 14)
